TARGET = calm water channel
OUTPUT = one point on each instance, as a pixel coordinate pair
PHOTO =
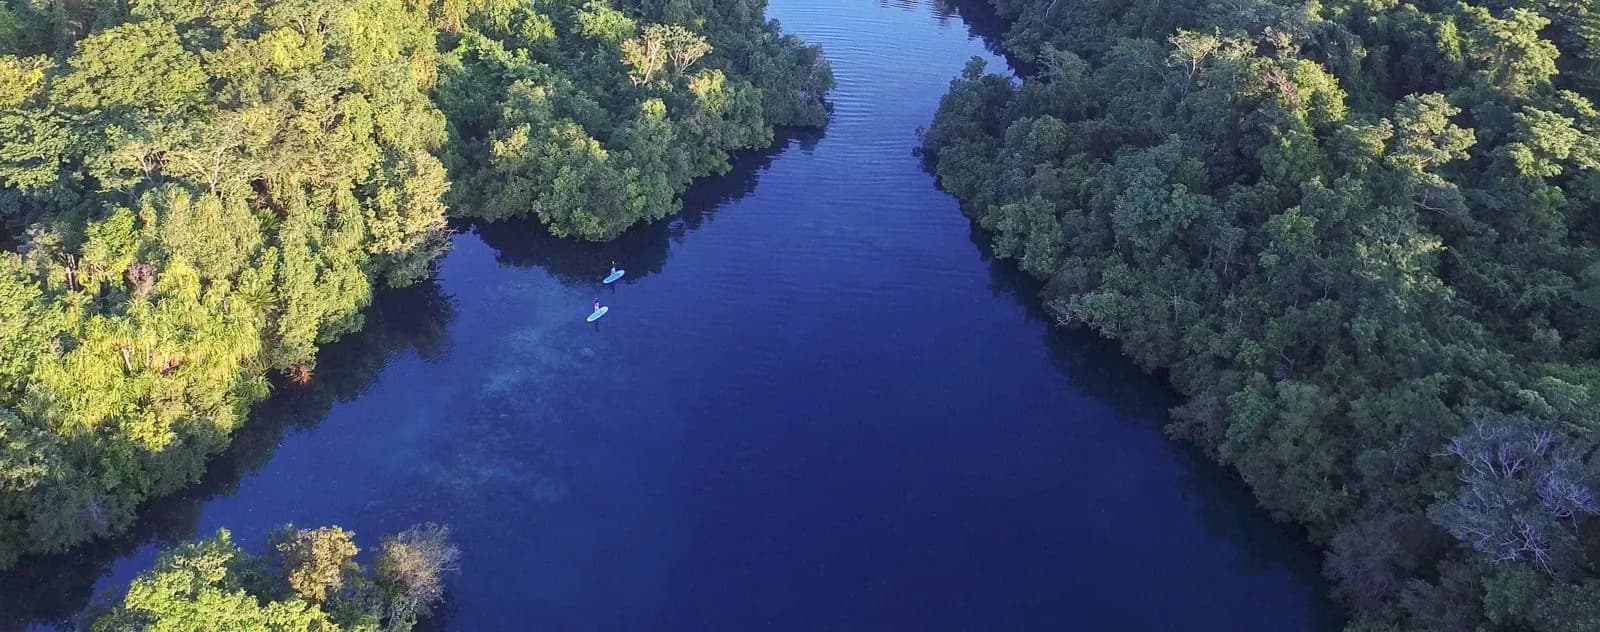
(817, 405)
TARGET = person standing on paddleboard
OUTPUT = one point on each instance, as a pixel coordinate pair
(597, 304)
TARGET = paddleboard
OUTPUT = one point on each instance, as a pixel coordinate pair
(599, 312)
(614, 276)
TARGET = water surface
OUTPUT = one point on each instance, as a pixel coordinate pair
(817, 405)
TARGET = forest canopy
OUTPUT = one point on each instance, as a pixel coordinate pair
(1360, 236)
(195, 196)
(593, 119)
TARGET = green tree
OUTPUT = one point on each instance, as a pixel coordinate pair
(314, 561)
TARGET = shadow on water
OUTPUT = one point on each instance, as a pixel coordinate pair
(983, 23)
(1096, 366)
(494, 447)
(51, 590)
(979, 16)
(642, 250)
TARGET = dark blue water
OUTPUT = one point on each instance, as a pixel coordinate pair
(816, 406)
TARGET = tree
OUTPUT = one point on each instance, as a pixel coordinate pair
(1424, 137)
(1509, 53)
(412, 567)
(684, 47)
(1522, 492)
(139, 66)
(314, 561)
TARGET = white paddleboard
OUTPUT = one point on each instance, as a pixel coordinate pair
(614, 276)
(599, 312)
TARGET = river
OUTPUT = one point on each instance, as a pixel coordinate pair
(816, 405)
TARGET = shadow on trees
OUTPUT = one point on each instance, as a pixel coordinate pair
(643, 250)
(51, 590)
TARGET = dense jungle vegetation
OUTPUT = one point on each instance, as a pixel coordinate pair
(308, 581)
(1360, 236)
(194, 196)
